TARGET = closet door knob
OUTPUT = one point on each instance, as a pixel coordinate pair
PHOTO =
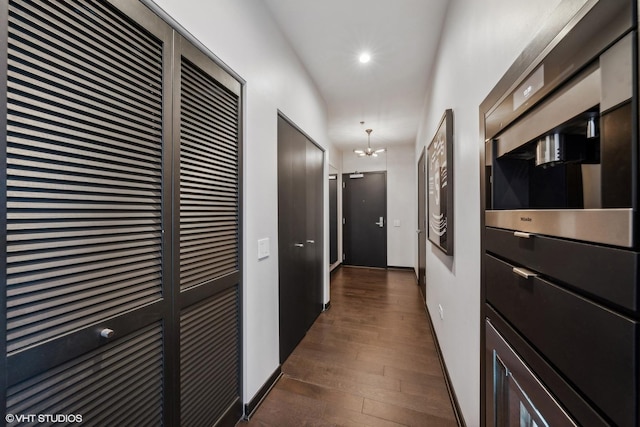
(107, 333)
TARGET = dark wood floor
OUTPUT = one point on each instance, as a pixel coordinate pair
(369, 360)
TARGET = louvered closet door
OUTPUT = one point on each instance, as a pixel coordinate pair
(83, 213)
(207, 240)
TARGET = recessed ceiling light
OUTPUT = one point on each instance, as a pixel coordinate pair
(364, 57)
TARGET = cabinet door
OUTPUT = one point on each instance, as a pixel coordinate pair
(86, 290)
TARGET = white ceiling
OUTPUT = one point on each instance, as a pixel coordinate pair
(388, 93)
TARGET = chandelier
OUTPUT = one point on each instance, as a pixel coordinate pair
(369, 152)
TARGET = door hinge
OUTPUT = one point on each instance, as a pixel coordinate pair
(344, 257)
(344, 221)
(343, 184)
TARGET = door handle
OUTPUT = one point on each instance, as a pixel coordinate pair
(299, 245)
(311, 242)
(381, 222)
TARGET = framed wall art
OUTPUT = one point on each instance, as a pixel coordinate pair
(440, 187)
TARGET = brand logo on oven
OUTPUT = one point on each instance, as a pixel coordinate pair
(526, 219)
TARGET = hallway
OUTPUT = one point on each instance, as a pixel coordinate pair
(370, 360)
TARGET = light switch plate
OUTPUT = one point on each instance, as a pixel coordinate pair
(263, 248)
(396, 223)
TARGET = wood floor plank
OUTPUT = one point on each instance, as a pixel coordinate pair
(436, 404)
(370, 360)
(306, 360)
(404, 416)
(342, 417)
(436, 390)
(282, 408)
(334, 398)
(399, 360)
(421, 337)
(409, 375)
(421, 352)
(349, 380)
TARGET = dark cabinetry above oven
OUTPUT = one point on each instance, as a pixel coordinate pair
(560, 231)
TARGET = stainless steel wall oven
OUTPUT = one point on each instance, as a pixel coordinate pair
(560, 237)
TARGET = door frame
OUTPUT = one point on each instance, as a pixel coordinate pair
(422, 223)
(333, 219)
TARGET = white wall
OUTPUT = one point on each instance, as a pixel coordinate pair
(481, 39)
(399, 162)
(402, 206)
(244, 36)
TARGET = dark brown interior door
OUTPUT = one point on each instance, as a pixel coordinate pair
(365, 219)
(422, 226)
(300, 230)
(313, 236)
(289, 251)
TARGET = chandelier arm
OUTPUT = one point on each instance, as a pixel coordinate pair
(369, 152)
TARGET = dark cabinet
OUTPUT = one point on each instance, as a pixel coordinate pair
(593, 347)
(609, 275)
(121, 286)
(300, 234)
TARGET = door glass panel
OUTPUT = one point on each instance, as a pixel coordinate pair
(522, 411)
(516, 397)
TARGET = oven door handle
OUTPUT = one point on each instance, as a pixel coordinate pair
(523, 272)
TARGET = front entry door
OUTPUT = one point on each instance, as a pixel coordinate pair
(365, 219)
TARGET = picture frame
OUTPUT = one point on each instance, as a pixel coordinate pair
(440, 185)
